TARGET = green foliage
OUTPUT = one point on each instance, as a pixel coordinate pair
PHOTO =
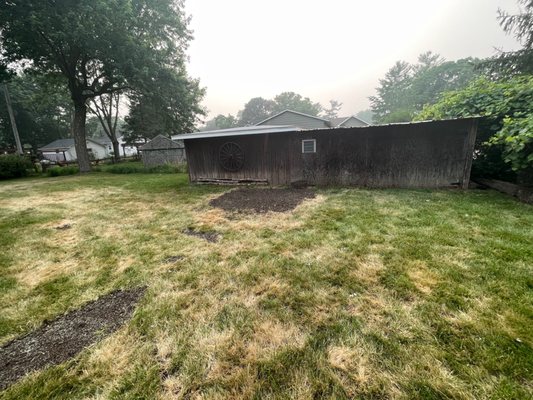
(91, 44)
(516, 137)
(504, 134)
(407, 88)
(521, 26)
(168, 106)
(42, 108)
(256, 110)
(295, 102)
(333, 110)
(14, 166)
(225, 122)
(62, 171)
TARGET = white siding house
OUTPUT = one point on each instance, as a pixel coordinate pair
(64, 150)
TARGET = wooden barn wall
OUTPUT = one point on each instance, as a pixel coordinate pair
(433, 154)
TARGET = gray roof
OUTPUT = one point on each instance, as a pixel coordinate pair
(247, 130)
(161, 142)
(338, 121)
(64, 144)
(294, 112)
(58, 144)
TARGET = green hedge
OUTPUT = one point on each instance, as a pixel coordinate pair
(14, 166)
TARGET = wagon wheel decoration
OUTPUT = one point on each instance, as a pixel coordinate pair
(231, 157)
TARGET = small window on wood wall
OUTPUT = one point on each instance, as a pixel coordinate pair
(309, 146)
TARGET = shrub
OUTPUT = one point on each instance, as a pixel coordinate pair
(62, 171)
(14, 166)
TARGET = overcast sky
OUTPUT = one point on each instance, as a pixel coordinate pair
(334, 49)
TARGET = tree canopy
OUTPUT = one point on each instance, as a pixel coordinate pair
(407, 88)
(96, 46)
(521, 26)
(504, 133)
(42, 108)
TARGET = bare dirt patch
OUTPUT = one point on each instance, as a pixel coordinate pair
(211, 237)
(58, 340)
(262, 200)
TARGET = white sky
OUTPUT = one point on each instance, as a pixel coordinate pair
(334, 49)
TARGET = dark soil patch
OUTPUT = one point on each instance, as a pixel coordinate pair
(63, 227)
(56, 341)
(211, 237)
(262, 200)
(173, 259)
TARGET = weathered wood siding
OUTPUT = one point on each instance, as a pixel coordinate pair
(432, 154)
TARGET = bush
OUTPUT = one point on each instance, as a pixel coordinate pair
(14, 166)
(62, 171)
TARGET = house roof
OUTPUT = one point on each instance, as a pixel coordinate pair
(248, 130)
(340, 120)
(264, 129)
(294, 112)
(160, 142)
(58, 145)
(64, 144)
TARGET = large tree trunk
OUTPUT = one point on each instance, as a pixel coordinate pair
(80, 141)
(116, 149)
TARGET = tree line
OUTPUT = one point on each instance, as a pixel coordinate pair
(498, 89)
(89, 53)
(258, 109)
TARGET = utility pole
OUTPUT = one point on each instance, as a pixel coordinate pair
(12, 118)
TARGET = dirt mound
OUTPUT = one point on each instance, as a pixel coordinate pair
(262, 200)
(56, 341)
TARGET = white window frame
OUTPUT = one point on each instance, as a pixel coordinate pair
(314, 146)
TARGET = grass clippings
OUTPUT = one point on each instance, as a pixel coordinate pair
(261, 200)
(61, 339)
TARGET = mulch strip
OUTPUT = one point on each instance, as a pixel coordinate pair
(262, 200)
(58, 340)
(211, 237)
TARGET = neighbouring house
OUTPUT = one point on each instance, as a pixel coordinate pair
(306, 121)
(162, 150)
(126, 150)
(63, 150)
(411, 155)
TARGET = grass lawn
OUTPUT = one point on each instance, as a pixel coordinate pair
(354, 294)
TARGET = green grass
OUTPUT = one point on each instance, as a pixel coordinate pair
(356, 294)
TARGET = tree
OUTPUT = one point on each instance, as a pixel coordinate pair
(170, 106)
(106, 108)
(521, 26)
(333, 110)
(256, 110)
(295, 102)
(505, 140)
(226, 122)
(42, 108)
(407, 88)
(391, 94)
(97, 46)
